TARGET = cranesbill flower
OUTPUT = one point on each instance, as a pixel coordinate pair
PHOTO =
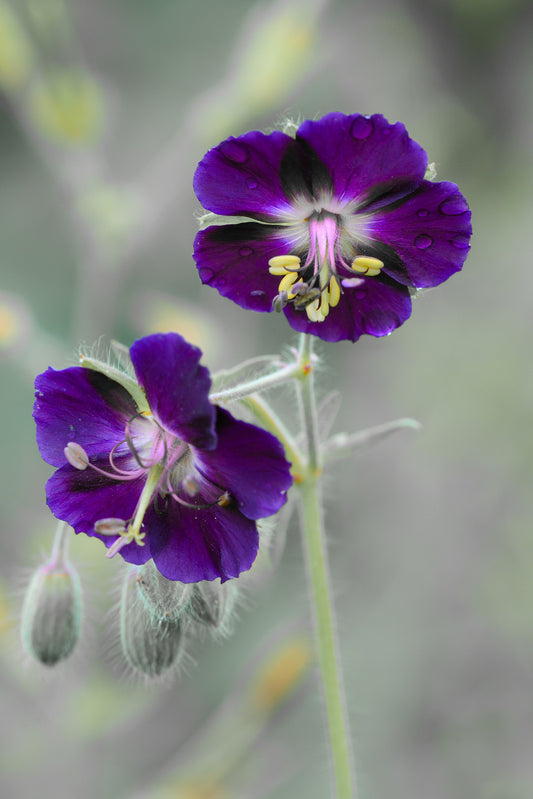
(337, 227)
(158, 472)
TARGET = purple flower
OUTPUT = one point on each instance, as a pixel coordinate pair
(340, 224)
(166, 475)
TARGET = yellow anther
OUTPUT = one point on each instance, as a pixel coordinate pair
(367, 265)
(282, 264)
(287, 281)
(334, 292)
(313, 311)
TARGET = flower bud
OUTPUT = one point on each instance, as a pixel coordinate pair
(212, 603)
(163, 599)
(51, 612)
(150, 645)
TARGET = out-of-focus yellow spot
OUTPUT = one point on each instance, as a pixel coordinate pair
(282, 673)
(8, 325)
(14, 322)
(155, 313)
(15, 52)
(6, 616)
(203, 789)
(67, 107)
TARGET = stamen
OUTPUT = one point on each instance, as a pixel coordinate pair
(286, 283)
(76, 456)
(367, 265)
(280, 301)
(190, 485)
(334, 292)
(224, 500)
(282, 264)
(110, 526)
(313, 312)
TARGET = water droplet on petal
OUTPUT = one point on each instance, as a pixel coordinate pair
(257, 293)
(251, 183)
(454, 205)
(206, 274)
(422, 213)
(461, 241)
(244, 251)
(423, 241)
(234, 150)
(352, 282)
(361, 128)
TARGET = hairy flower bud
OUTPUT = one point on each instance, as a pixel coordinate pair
(150, 645)
(51, 612)
(163, 599)
(212, 603)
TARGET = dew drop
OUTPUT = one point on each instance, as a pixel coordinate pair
(422, 213)
(454, 205)
(423, 241)
(361, 128)
(206, 274)
(461, 241)
(244, 251)
(257, 293)
(251, 183)
(234, 150)
(352, 282)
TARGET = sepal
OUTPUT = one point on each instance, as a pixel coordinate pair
(343, 445)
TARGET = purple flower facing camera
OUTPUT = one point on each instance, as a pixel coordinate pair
(336, 227)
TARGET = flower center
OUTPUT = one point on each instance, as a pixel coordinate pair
(166, 463)
(314, 286)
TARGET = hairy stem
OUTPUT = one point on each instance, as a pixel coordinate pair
(319, 583)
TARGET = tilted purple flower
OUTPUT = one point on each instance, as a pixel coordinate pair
(158, 472)
(340, 225)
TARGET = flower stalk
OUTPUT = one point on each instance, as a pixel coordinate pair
(319, 583)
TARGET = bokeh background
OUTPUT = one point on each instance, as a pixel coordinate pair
(105, 109)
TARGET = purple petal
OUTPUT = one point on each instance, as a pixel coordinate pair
(190, 545)
(80, 405)
(234, 260)
(430, 231)
(241, 177)
(367, 157)
(374, 306)
(176, 386)
(249, 463)
(82, 498)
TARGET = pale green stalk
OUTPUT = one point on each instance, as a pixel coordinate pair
(318, 574)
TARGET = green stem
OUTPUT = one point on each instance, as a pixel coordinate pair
(317, 565)
(276, 378)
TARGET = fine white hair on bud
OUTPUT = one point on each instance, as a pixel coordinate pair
(212, 604)
(151, 645)
(163, 599)
(52, 611)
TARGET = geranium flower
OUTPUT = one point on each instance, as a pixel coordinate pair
(338, 226)
(158, 472)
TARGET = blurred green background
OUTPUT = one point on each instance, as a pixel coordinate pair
(105, 109)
